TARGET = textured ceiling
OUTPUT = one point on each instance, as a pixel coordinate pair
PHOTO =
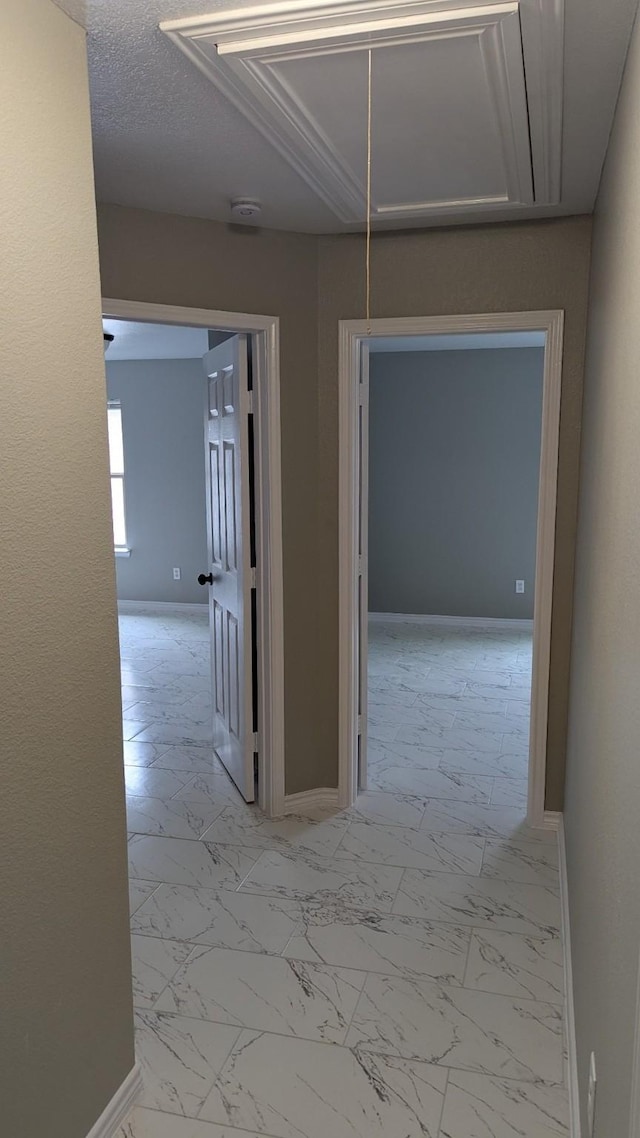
(165, 139)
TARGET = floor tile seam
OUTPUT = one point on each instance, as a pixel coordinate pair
(419, 980)
(462, 1070)
(143, 880)
(438, 1130)
(211, 1085)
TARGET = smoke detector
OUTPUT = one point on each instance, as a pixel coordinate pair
(245, 209)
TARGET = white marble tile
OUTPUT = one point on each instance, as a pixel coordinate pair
(267, 993)
(193, 760)
(170, 819)
(482, 686)
(150, 782)
(488, 764)
(518, 711)
(376, 942)
(178, 733)
(139, 891)
(282, 873)
(392, 809)
(131, 676)
(403, 755)
(399, 845)
(510, 792)
(166, 695)
(250, 827)
(219, 918)
(481, 902)
(535, 862)
(153, 963)
(513, 965)
(142, 754)
(180, 1059)
(457, 1027)
(477, 818)
(212, 789)
(131, 728)
(429, 783)
(485, 720)
(143, 1123)
(381, 732)
(477, 1106)
(429, 719)
(385, 696)
(187, 667)
(292, 1088)
(464, 740)
(183, 862)
(158, 712)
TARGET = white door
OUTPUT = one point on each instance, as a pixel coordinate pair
(229, 548)
(363, 574)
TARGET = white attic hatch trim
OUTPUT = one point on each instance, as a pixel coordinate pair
(467, 100)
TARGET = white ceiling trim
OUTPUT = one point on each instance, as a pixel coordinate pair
(242, 54)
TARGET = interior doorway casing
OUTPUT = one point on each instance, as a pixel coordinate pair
(352, 335)
(269, 580)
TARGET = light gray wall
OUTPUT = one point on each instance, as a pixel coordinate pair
(66, 1017)
(602, 801)
(453, 481)
(163, 429)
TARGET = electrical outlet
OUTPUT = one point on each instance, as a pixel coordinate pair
(519, 586)
(176, 574)
(591, 1096)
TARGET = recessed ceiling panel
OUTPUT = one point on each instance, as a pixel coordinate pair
(452, 127)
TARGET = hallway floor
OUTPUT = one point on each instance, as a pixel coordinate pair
(392, 971)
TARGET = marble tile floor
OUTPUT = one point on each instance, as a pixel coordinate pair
(391, 970)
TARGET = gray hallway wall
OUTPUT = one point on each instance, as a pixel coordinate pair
(163, 429)
(66, 1020)
(453, 481)
(602, 803)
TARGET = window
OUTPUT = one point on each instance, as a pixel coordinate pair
(116, 462)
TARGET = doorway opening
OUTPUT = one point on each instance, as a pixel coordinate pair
(193, 410)
(451, 634)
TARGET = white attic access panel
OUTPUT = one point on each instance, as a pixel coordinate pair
(467, 101)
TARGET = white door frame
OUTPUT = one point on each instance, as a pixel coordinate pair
(352, 335)
(269, 581)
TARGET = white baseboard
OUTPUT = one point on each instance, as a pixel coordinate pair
(450, 621)
(552, 820)
(122, 1103)
(325, 797)
(572, 1066)
(162, 608)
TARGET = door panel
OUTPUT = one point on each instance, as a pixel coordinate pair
(227, 466)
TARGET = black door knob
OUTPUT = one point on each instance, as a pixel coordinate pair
(205, 579)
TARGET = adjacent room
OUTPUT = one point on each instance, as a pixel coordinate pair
(160, 483)
(454, 463)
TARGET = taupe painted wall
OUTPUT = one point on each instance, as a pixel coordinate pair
(499, 268)
(163, 429)
(312, 283)
(603, 769)
(66, 1039)
(204, 264)
(454, 460)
